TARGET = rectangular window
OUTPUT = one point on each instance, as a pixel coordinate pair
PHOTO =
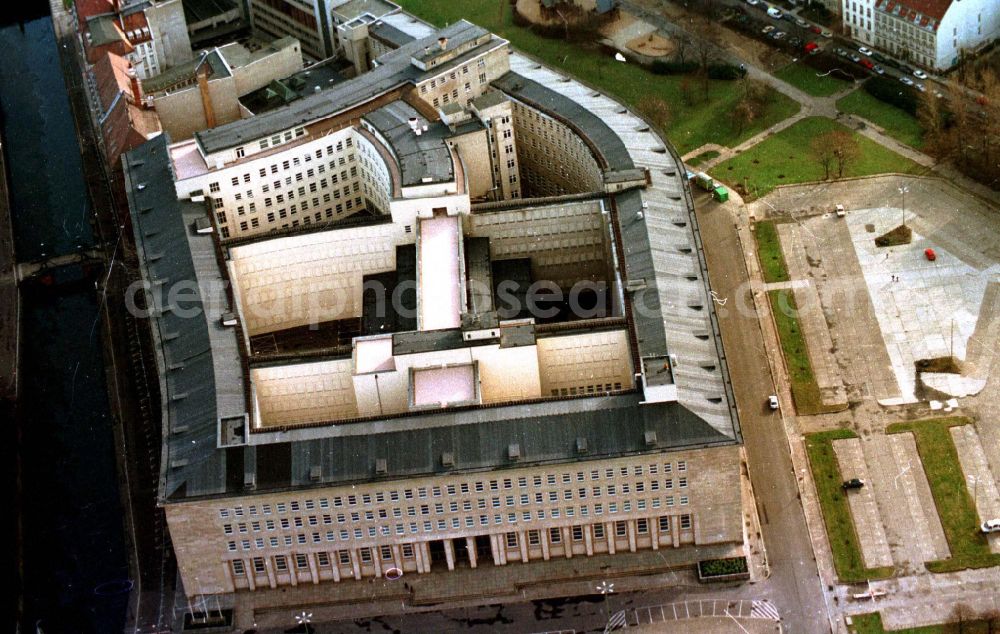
(280, 563)
(386, 552)
(577, 533)
(642, 526)
(258, 565)
(534, 538)
(555, 535)
(511, 540)
(238, 569)
(685, 522)
(621, 530)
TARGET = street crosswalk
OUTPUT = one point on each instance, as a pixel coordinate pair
(764, 610)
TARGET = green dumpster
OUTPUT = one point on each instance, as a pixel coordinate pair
(721, 194)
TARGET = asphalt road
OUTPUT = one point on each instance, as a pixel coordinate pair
(794, 586)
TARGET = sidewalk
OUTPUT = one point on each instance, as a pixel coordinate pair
(464, 586)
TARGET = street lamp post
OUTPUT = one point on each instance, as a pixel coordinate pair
(903, 190)
(304, 619)
(605, 589)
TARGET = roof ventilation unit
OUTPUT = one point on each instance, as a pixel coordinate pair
(447, 459)
(636, 285)
(315, 473)
(381, 466)
(203, 226)
(228, 319)
(650, 438)
(514, 451)
(581, 445)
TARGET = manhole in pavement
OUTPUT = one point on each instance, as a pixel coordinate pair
(870, 228)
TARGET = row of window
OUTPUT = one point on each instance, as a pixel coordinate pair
(366, 554)
(536, 480)
(457, 523)
(523, 499)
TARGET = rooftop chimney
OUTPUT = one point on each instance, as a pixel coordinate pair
(443, 42)
(135, 87)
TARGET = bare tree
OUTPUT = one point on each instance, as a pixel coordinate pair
(960, 614)
(687, 97)
(656, 109)
(931, 118)
(822, 151)
(845, 149)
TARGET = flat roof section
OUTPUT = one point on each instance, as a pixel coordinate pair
(373, 354)
(444, 386)
(440, 302)
(187, 160)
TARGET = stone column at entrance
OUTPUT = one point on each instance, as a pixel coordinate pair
(630, 524)
(335, 561)
(356, 563)
(449, 553)
(588, 540)
(425, 548)
(313, 570)
(495, 550)
(251, 575)
(522, 542)
(470, 545)
(418, 553)
(675, 530)
(270, 573)
(397, 558)
(567, 540)
(654, 532)
(545, 543)
(609, 530)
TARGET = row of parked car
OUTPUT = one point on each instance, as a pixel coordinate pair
(778, 35)
(865, 55)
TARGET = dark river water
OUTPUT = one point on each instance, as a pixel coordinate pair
(74, 556)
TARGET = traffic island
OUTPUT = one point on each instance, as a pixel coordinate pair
(895, 237)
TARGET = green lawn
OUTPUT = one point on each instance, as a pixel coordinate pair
(691, 126)
(795, 350)
(804, 78)
(847, 557)
(772, 258)
(897, 123)
(955, 508)
(872, 624)
(707, 155)
(784, 158)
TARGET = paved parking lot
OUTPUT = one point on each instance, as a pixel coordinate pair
(978, 477)
(915, 308)
(864, 508)
(904, 497)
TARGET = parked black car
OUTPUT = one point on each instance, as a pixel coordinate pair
(853, 483)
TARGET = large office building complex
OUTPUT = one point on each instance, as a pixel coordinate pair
(451, 313)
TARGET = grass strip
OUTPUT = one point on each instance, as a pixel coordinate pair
(955, 507)
(847, 557)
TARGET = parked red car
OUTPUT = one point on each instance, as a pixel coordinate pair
(930, 255)
(816, 29)
(867, 63)
(811, 47)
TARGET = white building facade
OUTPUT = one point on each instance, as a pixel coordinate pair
(933, 34)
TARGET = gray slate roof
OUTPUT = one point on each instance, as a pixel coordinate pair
(198, 360)
(419, 157)
(393, 71)
(548, 99)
